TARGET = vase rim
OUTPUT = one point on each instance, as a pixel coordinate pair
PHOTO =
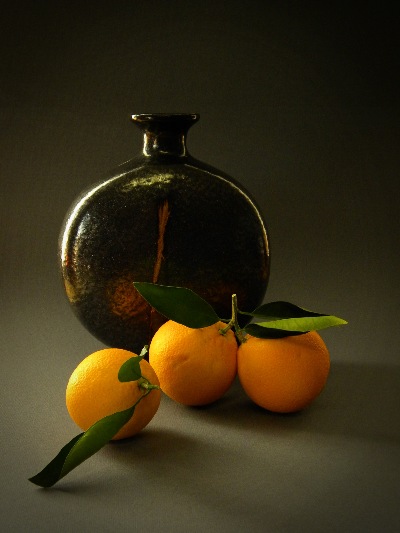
(156, 117)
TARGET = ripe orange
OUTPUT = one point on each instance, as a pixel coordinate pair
(194, 366)
(283, 375)
(94, 391)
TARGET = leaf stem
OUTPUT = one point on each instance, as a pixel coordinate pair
(144, 383)
(238, 330)
(233, 323)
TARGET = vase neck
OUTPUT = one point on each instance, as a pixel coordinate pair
(165, 134)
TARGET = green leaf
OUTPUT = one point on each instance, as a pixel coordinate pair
(51, 473)
(278, 310)
(82, 447)
(262, 332)
(179, 304)
(285, 319)
(130, 370)
(293, 326)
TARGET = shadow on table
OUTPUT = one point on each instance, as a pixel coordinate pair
(361, 401)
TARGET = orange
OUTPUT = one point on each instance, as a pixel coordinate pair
(283, 375)
(194, 366)
(94, 391)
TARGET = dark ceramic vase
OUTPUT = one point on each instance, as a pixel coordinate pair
(162, 217)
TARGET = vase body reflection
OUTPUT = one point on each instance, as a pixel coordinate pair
(167, 218)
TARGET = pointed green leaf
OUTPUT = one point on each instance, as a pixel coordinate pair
(278, 310)
(99, 434)
(82, 447)
(179, 304)
(256, 330)
(130, 370)
(51, 473)
(289, 326)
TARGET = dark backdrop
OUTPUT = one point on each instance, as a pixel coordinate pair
(300, 102)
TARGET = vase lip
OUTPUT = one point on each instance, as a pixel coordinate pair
(166, 117)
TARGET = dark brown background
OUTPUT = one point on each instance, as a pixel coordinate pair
(300, 102)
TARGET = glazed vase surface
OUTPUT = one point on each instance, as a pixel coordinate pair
(167, 218)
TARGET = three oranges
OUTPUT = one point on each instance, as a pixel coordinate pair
(197, 367)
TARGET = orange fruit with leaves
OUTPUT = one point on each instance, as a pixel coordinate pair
(94, 391)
